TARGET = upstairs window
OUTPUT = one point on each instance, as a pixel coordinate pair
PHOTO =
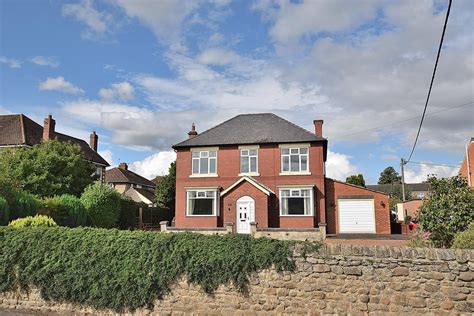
(294, 160)
(201, 202)
(248, 161)
(296, 201)
(204, 162)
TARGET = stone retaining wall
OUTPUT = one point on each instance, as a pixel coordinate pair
(338, 279)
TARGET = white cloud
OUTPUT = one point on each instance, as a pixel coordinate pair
(123, 91)
(218, 56)
(154, 165)
(421, 173)
(45, 61)
(108, 156)
(4, 110)
(338, 166)
(12, 63)
(97, 23)
(59, 84)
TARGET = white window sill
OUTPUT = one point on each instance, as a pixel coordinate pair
(305, 173)
(190, 215)
(296, 215)
(211, 175)
(250, 174)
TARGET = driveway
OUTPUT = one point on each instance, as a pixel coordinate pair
(367, 239)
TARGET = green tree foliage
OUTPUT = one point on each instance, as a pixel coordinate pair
(4, 211)
(128, 212)
(396, 195)
(125, 270)
(51, 168)
(102, 204)
(356, 180)
(448, 210)
(33, 221)
(24, 204)
(389, 176)
(166, 190)
(465, 239)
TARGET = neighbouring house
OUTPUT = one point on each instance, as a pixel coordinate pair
(408, 208)
(131, 184)
(467, 165)
(261, 174)
(17, 130)
(417, 190)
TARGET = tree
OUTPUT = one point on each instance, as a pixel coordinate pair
(166, 190)
(102, 204)
(389, 176)
(356, 180)
(48, 169)
(449, 209)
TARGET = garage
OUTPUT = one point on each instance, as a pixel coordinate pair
(356, 216)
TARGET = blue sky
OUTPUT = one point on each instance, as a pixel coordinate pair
(140, 72)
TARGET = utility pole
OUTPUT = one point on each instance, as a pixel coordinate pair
(402, 163)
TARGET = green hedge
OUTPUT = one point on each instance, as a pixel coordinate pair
(102, 204)
(33, 221)
(465, 239)
(125, 270)
(4, 211)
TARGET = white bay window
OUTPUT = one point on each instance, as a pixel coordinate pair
(202, 202)
(296, 202)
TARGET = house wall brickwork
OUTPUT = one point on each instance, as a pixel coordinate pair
(463, 171)
(381, 200)
(338, 279)
(269, 168)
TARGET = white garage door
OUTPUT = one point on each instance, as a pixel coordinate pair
(356, 216)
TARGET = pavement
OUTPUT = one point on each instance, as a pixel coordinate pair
(368, 239)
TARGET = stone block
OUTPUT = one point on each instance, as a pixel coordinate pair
(400, 271)
(352, 271)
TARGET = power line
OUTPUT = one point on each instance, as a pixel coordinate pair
(407, 120)
(432, 79)
(432, 164)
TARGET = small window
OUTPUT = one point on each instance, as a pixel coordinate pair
(296, 201)
(294, 160)
(201, 202)
(248, 161)
(204, 162)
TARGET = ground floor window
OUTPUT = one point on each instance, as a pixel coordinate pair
(296, 201)
(202, 202)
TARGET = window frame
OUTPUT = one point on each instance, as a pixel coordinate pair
(248, 148)
(291, 147)
(298, 188)
(208, 156)
(215, 203)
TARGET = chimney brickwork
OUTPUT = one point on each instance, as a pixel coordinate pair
(318, 127)
(192, 133)
(48, 128)
(94, 140)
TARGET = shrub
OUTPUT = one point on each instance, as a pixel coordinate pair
(4, 211)
(448, 210)
(465, 239)
(76, 212)
(102, 204)
(24, 204)
(54, 208)
(125, 270)
(128, 212)
(33, 221)
(420, 239)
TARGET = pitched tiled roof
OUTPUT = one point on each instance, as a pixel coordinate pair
(18, 129)
(136, 194)
(252, 129)
(118, 175)
(388, 188)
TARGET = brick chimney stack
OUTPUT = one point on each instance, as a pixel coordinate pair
(192, 133)
(123, 166)
(318, 127)
(94, 140)
(48, 128)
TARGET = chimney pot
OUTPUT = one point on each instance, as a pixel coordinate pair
(48, 128)
(94, 141)
(123, 166)
(318, 127)
(192, 133)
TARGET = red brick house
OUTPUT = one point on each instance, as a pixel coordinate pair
(262, 171)
(467, 165)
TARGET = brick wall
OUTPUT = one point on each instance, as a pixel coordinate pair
(463, 170)
(336, 188)
(338, 279)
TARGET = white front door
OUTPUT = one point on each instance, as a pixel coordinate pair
(245, 214)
